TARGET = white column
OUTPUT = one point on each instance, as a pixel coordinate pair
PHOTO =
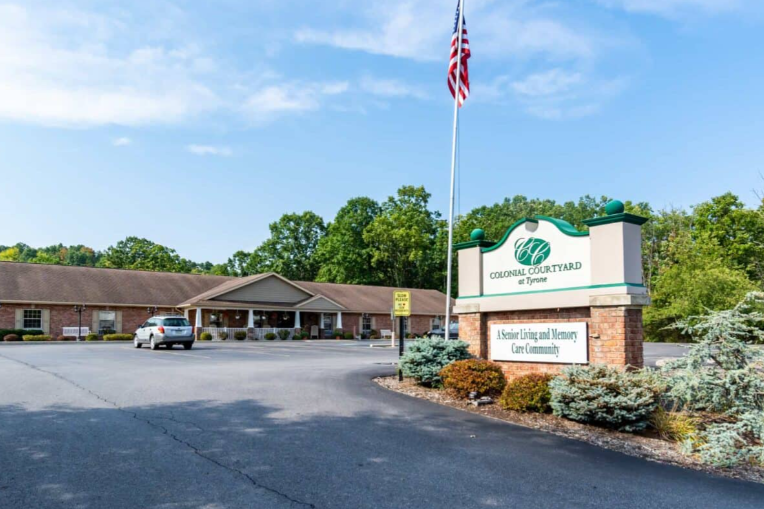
(339, 319)
(321, 323)
(185, 313)
(297, 320)
(198, 318)
(251, 319)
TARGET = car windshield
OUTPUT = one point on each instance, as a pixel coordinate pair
(175, 322)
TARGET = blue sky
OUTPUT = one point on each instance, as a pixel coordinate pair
(195, 124)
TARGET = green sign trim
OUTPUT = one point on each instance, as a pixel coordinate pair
(590, 287)
(564, 226)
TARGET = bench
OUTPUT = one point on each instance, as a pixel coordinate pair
(72, 331)
(386, 333)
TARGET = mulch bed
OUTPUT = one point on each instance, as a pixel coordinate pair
(644, 446)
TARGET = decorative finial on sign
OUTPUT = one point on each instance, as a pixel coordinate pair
(477, 234)
(614, 207)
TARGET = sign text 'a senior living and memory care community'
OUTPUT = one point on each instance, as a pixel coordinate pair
(558, 343)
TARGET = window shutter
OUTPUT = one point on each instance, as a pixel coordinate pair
(118, 322)
(373, 323)
(46, 321)
(94, 329)
(19, 318)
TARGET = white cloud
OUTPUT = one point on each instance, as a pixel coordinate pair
(554, 81)
(291, 97)
(122, 142)
(56, 68)
(209, 150)
(419, 30)
(673, 7)
(390, 88)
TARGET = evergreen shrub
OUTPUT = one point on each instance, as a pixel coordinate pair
(528, 393)
(283, 334)
(118, 337)
(723, 374)
(222, 335)
(461, 378)
(240, 335)
(92, 337)
(606, 396)
(349, 335)
(36, 337)
(426, 357)
(205, 336)
(270, 336)
(11, 337)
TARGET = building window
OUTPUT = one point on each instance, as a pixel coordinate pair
(107, 322)
(328, 322)
(437, 323)
(366, 324)
(33, 319)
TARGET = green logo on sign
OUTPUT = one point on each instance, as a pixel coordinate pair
(532, 251)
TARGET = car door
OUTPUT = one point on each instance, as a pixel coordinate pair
(145, 331)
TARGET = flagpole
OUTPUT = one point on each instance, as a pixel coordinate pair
(457, 90)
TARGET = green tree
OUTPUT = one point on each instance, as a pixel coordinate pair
(290, 250)
(739, 232)
(402, 241)
(142, 254)
(10, 254)
(693, 280)
(343, 254)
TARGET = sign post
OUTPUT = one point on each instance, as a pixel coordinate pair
(401, 308)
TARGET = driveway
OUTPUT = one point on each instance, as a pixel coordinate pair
(288, 425)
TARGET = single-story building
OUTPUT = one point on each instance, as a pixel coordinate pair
(55, 297)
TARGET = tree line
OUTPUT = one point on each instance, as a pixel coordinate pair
(707, 257)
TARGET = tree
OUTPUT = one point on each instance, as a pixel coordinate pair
(693, 280)
(10, 254)
(290, 250)
(343, 254)
(739, 232)
(142, 254)
(402, 239)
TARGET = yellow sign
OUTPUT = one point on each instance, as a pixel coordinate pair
(402, 303)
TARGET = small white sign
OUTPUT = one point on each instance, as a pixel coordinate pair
(557, 343)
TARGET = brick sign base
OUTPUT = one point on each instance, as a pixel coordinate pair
(615, 335)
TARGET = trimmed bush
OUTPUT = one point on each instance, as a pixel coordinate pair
(528, 393)
(284, 334)
(427, 356)
(240, 335)
(92, 337)
(20, 332)
(222, 335)
(270, 336)
(36, 337)
(205, 336)
(67, 338)
(118, 337)
(461, 378)
(349, 335)
(304, 335)
(11, 337)
(605, 396)
(338, 333)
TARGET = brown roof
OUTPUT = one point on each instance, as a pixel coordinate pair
(26, 282)
(377, 299)
(29, 282)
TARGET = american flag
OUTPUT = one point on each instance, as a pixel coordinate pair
(464, 81)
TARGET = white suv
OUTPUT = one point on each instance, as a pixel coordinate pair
(165, 330)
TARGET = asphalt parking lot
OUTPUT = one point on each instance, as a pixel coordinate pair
(292, 424)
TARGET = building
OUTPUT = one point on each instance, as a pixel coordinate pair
(48, 297)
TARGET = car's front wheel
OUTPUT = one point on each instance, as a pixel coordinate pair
(153, 343)
(136, 343)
